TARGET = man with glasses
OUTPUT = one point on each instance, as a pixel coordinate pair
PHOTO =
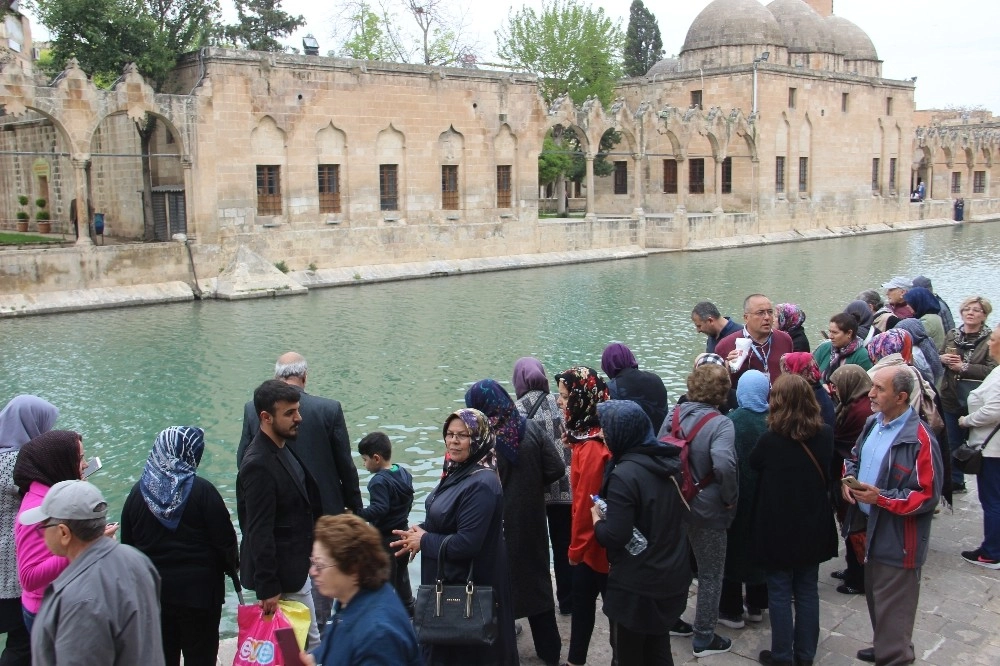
(104, 608)
(767, 343)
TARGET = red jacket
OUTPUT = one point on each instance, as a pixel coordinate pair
(586, 477)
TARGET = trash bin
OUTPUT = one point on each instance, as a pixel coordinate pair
(959, 210)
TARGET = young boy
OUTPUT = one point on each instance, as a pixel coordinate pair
(390, 498)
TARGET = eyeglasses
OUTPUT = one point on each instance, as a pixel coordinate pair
(973, 310)
(41, 527)
(762, 313)
(319, 565)
(460, 436)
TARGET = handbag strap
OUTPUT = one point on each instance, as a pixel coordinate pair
(989, 437)
(440, 567)
(534, 407)
(814, 461)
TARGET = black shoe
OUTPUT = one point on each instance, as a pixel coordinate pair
(847, 589)
(839, 575)
(767, 659)
(959, 489)
(717, 646)
(682, 629)
(518, 629)
(803, 662)
(868, 654)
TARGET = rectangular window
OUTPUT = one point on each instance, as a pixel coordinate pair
(621, 177)
(779, 174)
(956, 182)
(803, 174)
(888, 106)
(388, 186)
(844, 97)
(268, 190)
(328, 176)
(696, 99)
(670, 176)
(979, 182)
(727, 175)
(876, 168)
(696, 176)
(449, 187)
(791, 97)
(892, 175)
(503, 186)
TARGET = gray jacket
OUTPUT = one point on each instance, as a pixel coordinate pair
(714, 449)
(104, 608)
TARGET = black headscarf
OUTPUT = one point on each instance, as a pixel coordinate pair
(51, 457)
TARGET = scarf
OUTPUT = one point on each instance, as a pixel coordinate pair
(863, 315)
(922, 302)
(752, 391)
(507, 424)
(168, 476)
(702, 359)
(789, 316)
(617, 357)
(852, 383)
(529, 375)
(893, 341)
(922, 341)
(627, 430)
(24, 418)
(839, 355)
(967, 344)
(51, 457)
(801, 364)
(480, 448)
(586, 390)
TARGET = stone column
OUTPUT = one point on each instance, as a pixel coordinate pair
(81, 164)
(186, 165)
(591, 212)
(929, 190)
(637, 161)
(683, 182)
(718, 185)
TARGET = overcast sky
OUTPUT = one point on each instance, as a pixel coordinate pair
(952, 47)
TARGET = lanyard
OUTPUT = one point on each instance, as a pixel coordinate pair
(763, 358)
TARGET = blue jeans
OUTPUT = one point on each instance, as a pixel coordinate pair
(956, 437)
(989, 497)
(794, 639)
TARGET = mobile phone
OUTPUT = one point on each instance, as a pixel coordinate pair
(288, 645)
(93, 465)
(852, 483)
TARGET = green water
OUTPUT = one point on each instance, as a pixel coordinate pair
(400, 356)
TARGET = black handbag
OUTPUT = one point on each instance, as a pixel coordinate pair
(464, 614)
(969, 459)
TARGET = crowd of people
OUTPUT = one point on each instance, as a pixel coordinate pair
(741, 483)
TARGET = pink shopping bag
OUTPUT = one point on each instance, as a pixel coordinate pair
(257, 643)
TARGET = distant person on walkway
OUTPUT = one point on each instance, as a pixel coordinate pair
(22, 419)
(277, 502)
(791, 320)
(708, 320)
(899, 467)
(947, 318)
(627, 382)
(321, 443)
(180, 522)
(767, 345)
(104, 608)
(895, 295)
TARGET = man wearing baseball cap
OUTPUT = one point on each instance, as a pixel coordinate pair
(104, 608)
(895, 290)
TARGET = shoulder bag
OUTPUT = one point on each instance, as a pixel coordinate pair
(463, 614)
(963, 387)
(969, 458)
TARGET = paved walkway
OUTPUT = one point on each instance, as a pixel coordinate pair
(957, 621)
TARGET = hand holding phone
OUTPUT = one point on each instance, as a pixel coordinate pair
(93, 465)
(852, 483)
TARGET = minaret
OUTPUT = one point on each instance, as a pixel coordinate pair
(821, 7)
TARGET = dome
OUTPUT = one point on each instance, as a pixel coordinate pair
(665, 66)
(851, 40)
(804, 30)
(733, 23)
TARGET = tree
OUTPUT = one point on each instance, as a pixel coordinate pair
(643, 45)
(261, 23)
(366, 37)
(572, 47)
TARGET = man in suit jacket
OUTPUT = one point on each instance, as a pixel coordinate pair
(277, 503)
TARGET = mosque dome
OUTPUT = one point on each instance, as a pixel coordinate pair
(664, 66)
(851, 40)
(733, 23)
(804, 30)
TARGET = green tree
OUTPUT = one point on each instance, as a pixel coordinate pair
(366, 37)
(573, 48)
(643, 45)
(553, 162)
(260, 23)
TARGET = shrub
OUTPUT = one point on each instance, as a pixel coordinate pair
(282, 266)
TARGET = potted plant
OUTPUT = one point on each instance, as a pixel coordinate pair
(22, 215)
(42, 217)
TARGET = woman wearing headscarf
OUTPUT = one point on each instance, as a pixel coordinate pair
(925, 353)
(22, 419)
(536, 402)
(864, 317)
(926, 308)
(580, 391)
(53, 456)
(527, 462)
(730, 402)
(844, 345)
(791, 320)
(647, 591)
(849, 387)
(466, 505)
(181, 523)
(804, 365)
(750, 422)
(627, 382)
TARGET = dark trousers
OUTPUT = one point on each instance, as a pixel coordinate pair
(18, 650)
(559, 516)
(633, 649)
(855, 572)
(399, 573)
(587, 584)
(191, 631)
(731, 601)
(545, 636)
(892, 594)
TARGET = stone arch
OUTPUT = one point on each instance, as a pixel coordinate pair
(451, 157)
(267, 138)
(390, 151)
(268, 147)
(803, 171)
(332, 171)
(505, 155)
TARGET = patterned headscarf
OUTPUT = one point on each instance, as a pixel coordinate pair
(715, 359)
(918, 332)
(51, 457)
(506, 422)
(480, 448)
(529, 375)
(617, 357)
(752, 391)
(789, 316)
(893, 341)
(586, 390)
(802, 364)
(168, 477)
(24, 418)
